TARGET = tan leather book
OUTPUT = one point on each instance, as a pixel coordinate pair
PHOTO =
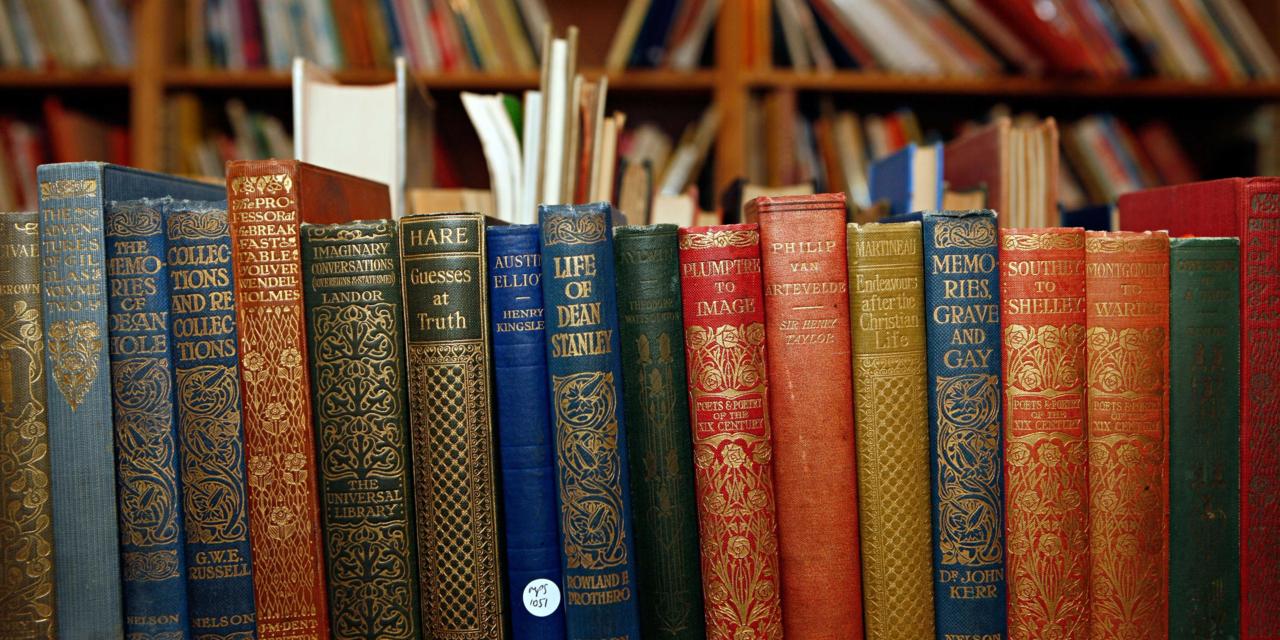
(886, 304)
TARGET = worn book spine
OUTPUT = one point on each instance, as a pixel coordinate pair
(962, 307)
(1127, 295)
(279, 441)
(153, 561)
(27, 607)
(720, 279)
(1046, 467)
(351, 278)
(451, 418)
(86, 543)
(1258, 210)
(585, 372)
(526, 442)
(1204, 438)
(886, 302)
(805, 263)
(215, 504)
(655, 394)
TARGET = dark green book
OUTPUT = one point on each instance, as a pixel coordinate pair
(351, 283)
(655, 399)
(1204, 438)
(451, 416)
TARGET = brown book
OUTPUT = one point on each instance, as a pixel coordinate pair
(268, 200)
(802, 242)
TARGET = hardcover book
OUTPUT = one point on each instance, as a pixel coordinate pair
(724, 325)
(655, 391)
(451, 419)
(886, 302)
(215, 502)
(585, 372)
(1248, 208)
(1204, 438)
(526, 442)
(910, 179)
(351, 284)
(1046, 467)
(268, 200)
(26, 515)
(805, 266)
(962, 307)
(81, 449)
(153, 562)
(1127, 296)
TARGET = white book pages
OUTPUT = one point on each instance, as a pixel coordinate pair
(481, 114)
(326, 134)
(557, 98)
(509, 160)
(531, 182)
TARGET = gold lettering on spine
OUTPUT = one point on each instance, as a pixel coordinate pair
(27, 595)
(142, 393)
(453, 436)
(264, 230)
(886, 303)
(966, 409)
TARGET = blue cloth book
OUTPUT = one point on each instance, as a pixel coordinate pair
(526, 451)
(962, 307)
(147, 473)
(909, 179)
(86, 535)
(584, 367)
(202, 320)
(1094, 217)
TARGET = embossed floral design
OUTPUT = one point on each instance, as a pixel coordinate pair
(275, 411)
(704, 457)
(254, 361)
(290, 358)
(1050, 455)
(738, 547)
(734, 456)
(1018, 455)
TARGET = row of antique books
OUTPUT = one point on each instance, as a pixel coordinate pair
(271, 411)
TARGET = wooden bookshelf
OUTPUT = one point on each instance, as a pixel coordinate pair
(729, 83)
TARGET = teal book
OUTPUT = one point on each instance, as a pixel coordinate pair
(152, 552)
(584, 367)
(355, 331)
(1204, 438)
(215, 479)
(659, 440)
(81, 448)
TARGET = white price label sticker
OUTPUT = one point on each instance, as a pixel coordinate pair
(541, 597)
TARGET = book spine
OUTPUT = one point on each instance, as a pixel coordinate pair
(86, 542)
(526, 442)
(720, 277)
(886, 301)
(1204, 436)
(279, 443)
(26, 555)
(655, 395)
(585, 373)
(150, 496)
(450, 395)
(202, 321)
(1259, 411)
(351, 278)
(1127, 293)
(962, 303)
(1046, 468)
(805, 262)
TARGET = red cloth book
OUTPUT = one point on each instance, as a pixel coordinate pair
(1250, 209)
(1127, 296)
(268, 200)
(1042, 316)
(806, 281)
(733, 454)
